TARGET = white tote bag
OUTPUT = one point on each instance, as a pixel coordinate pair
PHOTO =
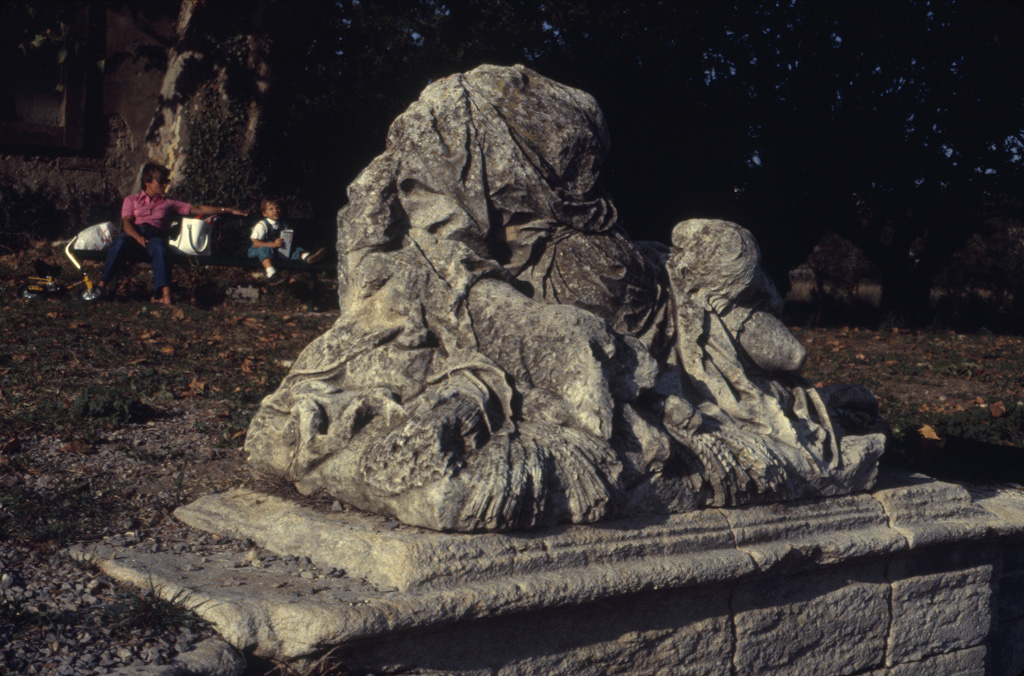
(194, 238)
(96, 237)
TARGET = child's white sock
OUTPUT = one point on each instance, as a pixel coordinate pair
(271, 271)
(304, 255)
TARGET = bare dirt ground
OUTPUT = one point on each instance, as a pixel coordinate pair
(114, 413)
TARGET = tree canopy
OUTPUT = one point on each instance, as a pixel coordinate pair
(898, 125)
(888, 123)
(817, 106)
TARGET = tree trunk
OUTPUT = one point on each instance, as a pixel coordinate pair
(164, 137)
(193, 65)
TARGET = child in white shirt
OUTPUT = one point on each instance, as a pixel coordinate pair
(267, 241)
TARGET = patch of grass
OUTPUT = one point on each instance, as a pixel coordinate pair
(35, 518)
(107, 404)
(941, 392)
(55, 518)
(978, 424)
(143, 610)
(77, 380)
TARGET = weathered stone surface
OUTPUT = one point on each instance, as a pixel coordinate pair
(212, 658)
(507, 357)
(412, 558)
(789, 535)
(798, 625)
(1004, 503)
(271, 609)
(969, 662)
(668, 632)
(942, 602)
(779, 588)
(927, 512)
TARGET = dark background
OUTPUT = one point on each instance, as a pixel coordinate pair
(895, 127)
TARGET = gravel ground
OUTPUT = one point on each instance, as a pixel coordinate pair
(85, 612)
(68, 477)
(59, 616)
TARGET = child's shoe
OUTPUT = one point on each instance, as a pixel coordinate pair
(316, 256)
(274, 277)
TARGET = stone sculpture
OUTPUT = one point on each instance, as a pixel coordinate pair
(507, 357)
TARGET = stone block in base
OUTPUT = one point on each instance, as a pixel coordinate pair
(917, 577)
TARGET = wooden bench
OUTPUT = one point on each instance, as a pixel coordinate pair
(178, 258)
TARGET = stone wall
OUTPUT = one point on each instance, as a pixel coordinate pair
(916, 577)
(59, 185)
(928, 613)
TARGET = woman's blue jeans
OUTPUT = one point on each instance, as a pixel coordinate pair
(124, 248)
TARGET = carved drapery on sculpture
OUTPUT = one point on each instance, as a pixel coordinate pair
(507, 357)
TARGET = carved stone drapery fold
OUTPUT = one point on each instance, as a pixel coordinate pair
(507, 357)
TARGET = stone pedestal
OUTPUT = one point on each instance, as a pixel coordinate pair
(917, 577)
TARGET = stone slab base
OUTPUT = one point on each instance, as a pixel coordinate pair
(917, 577)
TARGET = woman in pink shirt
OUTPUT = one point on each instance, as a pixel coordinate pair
(146, 218)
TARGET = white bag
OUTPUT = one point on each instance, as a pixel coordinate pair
(194, 238)
(96, 237)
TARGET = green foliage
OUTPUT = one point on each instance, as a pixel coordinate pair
(839, 267)
(28, 213)
(788, 117)
(108, 404)
(148, 609)
(221, 168)
(983, 285)
(976, 423)
(54, 518)
(37, 39)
